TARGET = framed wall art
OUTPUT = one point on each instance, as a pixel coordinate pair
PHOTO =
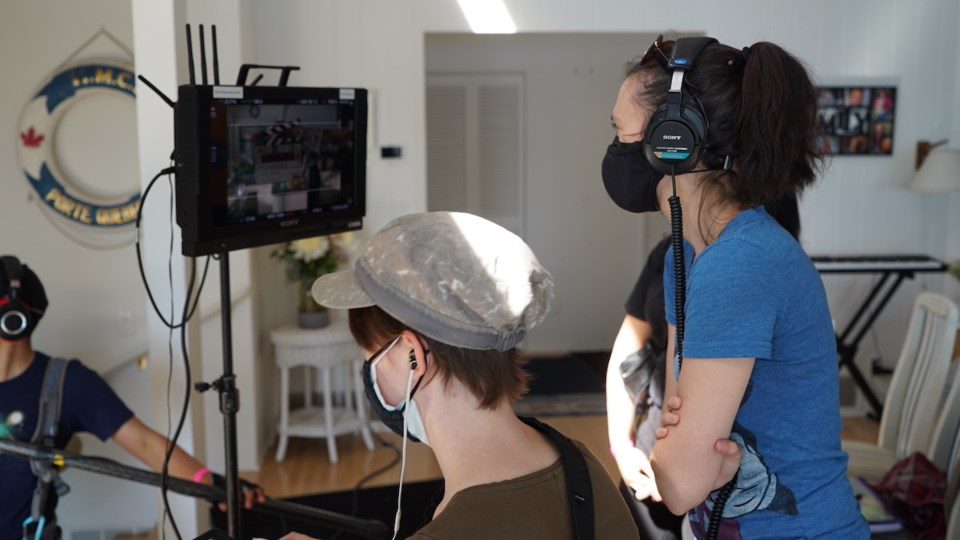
(857, 119)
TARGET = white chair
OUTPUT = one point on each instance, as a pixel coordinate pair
(952, 502)
(945, 443)
(916, 390)
(323, 349)
(953, 519)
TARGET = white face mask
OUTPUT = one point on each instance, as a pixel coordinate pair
(413, 422)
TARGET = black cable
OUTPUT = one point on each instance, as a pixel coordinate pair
(187, 314)
(164, 472)
(718, 505)
(164, 467)
(355, 505)
(679, 269)
(143, 275)
(172, 445)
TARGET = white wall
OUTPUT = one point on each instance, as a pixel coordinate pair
(88, 289)
(952, 248)
(570, 86)
(859, 206)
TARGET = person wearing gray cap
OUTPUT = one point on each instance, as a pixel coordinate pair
(439, 302)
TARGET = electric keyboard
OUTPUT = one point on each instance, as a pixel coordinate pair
(877, 263)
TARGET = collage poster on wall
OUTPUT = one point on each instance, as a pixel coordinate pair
(856, 120)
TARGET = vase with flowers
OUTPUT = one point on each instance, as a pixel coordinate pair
(306, 260)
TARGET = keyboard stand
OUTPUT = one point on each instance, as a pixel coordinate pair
(847, 347)
(848, 341)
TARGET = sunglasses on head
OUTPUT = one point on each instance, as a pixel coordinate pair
(656, 52)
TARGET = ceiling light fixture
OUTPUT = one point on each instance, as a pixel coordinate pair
(488, 16)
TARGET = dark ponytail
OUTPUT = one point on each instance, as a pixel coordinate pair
(762, 110)
(776, 126)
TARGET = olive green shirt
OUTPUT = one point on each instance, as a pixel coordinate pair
(531, 507)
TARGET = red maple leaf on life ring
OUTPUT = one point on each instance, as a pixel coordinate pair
(31, 138)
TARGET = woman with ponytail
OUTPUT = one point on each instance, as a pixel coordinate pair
(707, 134)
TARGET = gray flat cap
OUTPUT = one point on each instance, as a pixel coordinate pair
(454, 277)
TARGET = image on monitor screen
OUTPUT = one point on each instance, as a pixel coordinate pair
(284, 159)
(263, 165)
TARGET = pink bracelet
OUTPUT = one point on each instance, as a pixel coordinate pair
(198, 476)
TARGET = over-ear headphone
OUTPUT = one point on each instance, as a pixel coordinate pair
(673, 141)
(15, 316)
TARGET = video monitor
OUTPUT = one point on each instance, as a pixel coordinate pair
(262, 165)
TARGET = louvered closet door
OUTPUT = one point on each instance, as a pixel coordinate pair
(475, 146)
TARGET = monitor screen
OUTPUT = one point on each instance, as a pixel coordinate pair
(266, 165)
(279, 160)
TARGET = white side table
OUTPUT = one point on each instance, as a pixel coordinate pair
(322, 348)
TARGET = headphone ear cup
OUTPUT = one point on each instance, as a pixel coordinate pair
(653, 126)
(674, 139)
(15, 321)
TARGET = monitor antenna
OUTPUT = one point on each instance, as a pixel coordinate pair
(193, 76)
(216, 59)
(203, 56)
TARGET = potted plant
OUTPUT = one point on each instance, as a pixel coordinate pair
(306, 260)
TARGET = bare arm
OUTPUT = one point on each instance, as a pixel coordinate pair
(150, 447)
(633, 334)
(633, 464)
(687, 463)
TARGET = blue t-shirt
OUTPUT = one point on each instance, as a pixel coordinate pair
(88, 404)
(754, 293)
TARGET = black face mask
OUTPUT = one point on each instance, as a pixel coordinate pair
(392, 419)
(629, 178)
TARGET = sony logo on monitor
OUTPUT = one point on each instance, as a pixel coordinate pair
(289, 222)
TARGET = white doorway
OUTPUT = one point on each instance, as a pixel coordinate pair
(475, 161)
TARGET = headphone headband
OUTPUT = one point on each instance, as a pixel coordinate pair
(686, 50)
(13, 271)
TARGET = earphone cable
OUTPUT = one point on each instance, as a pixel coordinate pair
(403, 459)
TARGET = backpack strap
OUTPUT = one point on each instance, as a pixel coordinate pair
(577, 476)
(48, 413)
(45, 434)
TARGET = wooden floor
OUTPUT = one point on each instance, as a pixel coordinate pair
(306, 469)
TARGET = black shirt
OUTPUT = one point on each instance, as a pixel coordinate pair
(646, 300)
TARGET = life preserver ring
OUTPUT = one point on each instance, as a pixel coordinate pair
(35, 149)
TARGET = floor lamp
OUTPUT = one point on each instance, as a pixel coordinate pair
(939, 171)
